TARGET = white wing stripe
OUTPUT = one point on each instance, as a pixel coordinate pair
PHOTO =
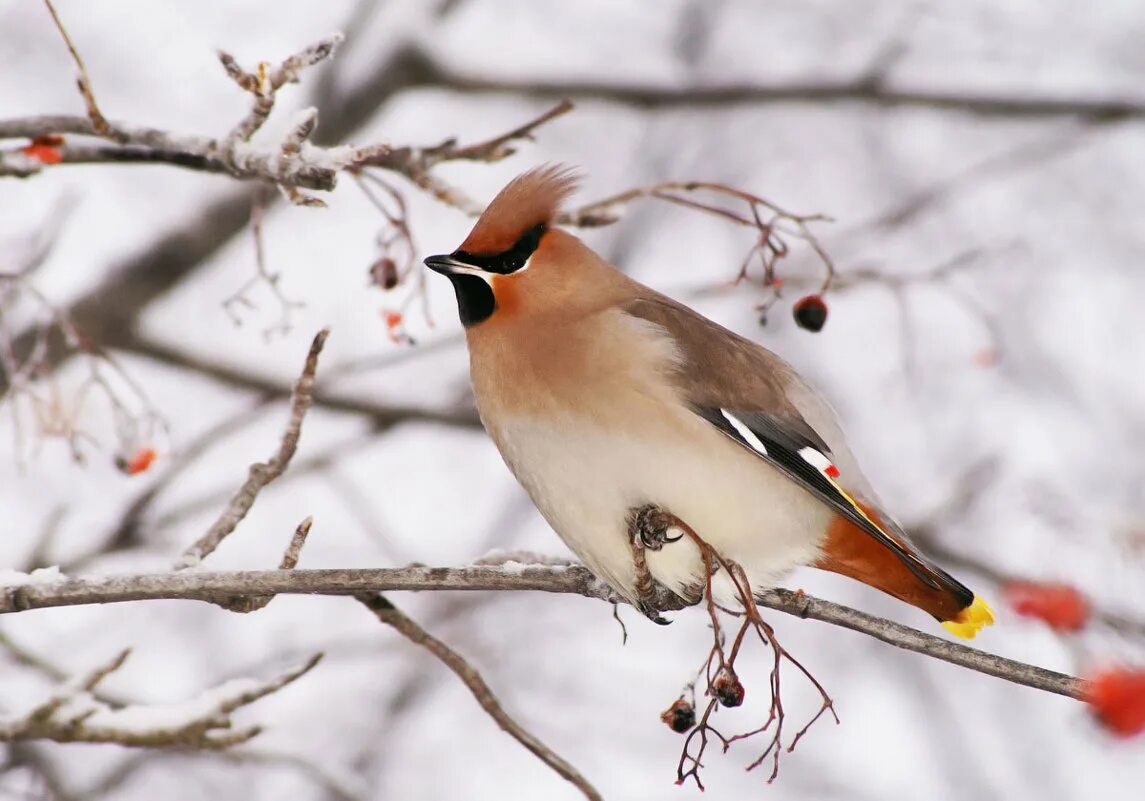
(746, 433)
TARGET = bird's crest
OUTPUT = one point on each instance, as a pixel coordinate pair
(532, 198)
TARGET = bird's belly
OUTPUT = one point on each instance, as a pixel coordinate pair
(585, 481)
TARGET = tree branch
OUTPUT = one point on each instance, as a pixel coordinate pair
(575, 579)
(99, 123)
(262, 473)
(389, 614)
(74, 714)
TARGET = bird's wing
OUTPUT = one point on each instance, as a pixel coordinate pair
(758, 401)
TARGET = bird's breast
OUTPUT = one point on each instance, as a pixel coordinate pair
(592, 425)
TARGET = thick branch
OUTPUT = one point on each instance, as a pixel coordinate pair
(576, 580)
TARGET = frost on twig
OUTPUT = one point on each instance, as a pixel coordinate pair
(74, 714)
(264, 82)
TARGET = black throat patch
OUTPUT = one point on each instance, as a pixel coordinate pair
(475, 301)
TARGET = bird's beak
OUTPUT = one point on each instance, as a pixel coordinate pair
(446, 264)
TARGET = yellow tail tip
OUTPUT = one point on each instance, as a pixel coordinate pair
(970, 620)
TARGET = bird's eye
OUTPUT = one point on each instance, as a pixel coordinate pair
(508, 261)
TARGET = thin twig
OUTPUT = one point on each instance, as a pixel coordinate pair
(251, 603)
(262, 473)
(389, 614)
(99, 123)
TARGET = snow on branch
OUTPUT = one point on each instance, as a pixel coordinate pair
(76, 714)
(294, 164)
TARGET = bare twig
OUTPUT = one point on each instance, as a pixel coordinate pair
(772, 224)
(250, 603)
(74, 714)
(99, 123)
(262, 473)
(389, 614)
(652, 527)
(263, 275)
(577, 580)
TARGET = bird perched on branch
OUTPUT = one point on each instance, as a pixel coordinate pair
(606, 398)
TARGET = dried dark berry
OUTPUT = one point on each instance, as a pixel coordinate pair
(384, 273)
(810, 312)
(680, 717)
(727, 688)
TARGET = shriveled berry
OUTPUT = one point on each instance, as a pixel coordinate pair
(727, 688)
(810, 312)
(384, 273)
(680, 717)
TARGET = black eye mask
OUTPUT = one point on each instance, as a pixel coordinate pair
(510, 260)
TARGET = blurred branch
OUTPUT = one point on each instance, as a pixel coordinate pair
(44, 667)
(219, 586)
(931, 545)
(389, 614)
(381, 414)
(314, 769)
(866, 89)
(74, 714)
(262, 473)
(970, 486)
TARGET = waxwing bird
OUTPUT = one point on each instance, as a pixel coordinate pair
(606, 397)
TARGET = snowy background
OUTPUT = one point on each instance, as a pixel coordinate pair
(986, 330)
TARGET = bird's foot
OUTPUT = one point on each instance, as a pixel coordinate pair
(648, 528)
(650, 525)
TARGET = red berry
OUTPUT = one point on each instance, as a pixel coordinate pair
(727, 688)
(45, 154)
(137, 462)
(680, 717)
(1117, 698)
(1060, 606)
(810, 312)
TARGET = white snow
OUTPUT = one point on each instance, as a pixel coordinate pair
(41, 575)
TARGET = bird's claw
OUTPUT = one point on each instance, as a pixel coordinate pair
(651, 525)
